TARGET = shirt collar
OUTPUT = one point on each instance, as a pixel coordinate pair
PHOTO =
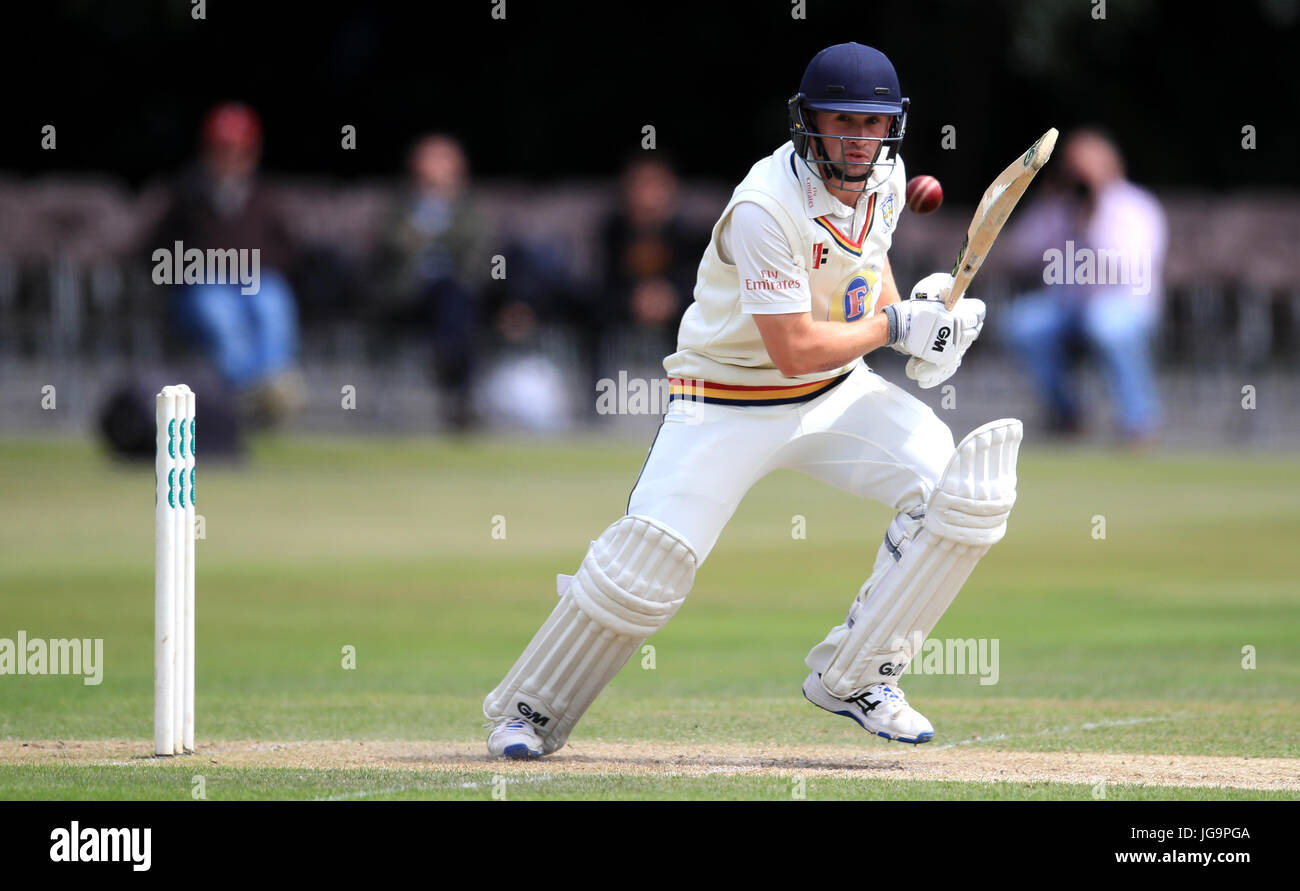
(817, 199)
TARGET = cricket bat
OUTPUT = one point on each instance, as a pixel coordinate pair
(999, 200)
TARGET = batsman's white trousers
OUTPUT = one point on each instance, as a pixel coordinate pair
(866, 436)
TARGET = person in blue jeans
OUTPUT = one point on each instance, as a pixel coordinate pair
(1044, 323)
(251, 339)
(1101, 245)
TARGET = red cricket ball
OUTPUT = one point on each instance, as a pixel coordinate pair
(924, 194)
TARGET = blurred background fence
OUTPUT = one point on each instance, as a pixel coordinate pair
(78, 308)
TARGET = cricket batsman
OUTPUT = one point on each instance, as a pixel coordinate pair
(794, 289)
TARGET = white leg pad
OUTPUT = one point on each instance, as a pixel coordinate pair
(634, 577)
(897, 608)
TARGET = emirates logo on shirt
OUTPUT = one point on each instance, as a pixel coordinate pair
(819, 254)
(771, 280)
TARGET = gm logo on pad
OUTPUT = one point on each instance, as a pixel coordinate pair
(541, 720)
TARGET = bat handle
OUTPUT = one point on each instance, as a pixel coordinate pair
(951, 298)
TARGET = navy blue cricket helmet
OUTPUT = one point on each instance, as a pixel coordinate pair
(856, 79)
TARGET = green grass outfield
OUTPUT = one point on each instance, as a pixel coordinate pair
(1131, 644)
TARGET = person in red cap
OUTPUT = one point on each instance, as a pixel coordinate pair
(219, 205)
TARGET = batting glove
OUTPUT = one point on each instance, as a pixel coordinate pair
(931, 365)
(969, 313)
(929, 374)
(934, 286)
(923, 328)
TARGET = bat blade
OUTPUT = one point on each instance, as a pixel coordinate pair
(995, 207)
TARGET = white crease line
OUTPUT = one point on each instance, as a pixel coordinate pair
(1091, 725)
(997, 737)
(717, 770)
(466, 785)
(366, 794)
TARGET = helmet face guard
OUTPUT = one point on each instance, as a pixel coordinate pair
(814, 147)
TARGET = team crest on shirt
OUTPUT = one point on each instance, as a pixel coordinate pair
(857, 297)
(887, 211)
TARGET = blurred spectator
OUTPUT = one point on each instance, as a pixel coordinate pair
(434, 261)
(541, 316)
(541, 290)
(1099, 241)
(219, 204)
(650, 257)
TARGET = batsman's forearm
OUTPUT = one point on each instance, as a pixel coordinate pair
(888, 288)
(831, 345)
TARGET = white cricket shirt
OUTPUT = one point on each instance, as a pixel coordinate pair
(784, 244)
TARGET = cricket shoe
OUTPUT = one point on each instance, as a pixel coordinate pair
(882, 709)
(514, 738)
